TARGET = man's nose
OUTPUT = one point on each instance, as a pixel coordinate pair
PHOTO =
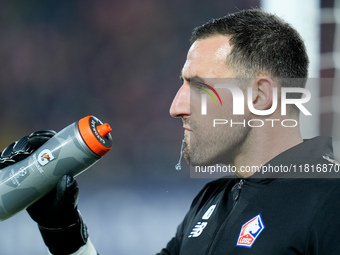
(181, 104)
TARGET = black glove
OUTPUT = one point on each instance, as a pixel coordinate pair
(24, 147)
(59, 221)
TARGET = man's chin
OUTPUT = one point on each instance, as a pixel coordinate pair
(194, 158)
(194, 163)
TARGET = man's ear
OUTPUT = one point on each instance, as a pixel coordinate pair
(262, 93)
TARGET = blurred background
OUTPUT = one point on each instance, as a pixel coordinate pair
(120, 61)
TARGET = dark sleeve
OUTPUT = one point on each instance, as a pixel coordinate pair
(324, 235)
(174, 245)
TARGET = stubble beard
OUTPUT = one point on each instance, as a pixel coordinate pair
(204, 147)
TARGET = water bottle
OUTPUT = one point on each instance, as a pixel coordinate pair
(71, 151)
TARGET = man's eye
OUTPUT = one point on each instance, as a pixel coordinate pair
(200, 85)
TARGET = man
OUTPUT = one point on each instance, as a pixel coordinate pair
(257, 212)
(263, 214)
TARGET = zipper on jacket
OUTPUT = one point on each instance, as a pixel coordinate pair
(236, 191)
(239, 187)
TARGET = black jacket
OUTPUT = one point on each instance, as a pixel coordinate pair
(268, 214)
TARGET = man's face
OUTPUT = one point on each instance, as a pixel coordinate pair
(205, 144)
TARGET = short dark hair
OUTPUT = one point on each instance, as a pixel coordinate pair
(261, 42)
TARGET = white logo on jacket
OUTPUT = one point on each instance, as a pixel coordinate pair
(199, 227)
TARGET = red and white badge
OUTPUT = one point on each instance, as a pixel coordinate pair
(250, 231)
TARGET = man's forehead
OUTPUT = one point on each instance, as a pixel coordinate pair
(206, 56)
(214, 47)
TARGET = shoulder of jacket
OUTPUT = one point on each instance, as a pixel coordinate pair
(210, 190)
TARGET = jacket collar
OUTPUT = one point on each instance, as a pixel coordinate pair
(310, 151)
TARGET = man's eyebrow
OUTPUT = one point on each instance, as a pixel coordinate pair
(194, 78)
(197, 79)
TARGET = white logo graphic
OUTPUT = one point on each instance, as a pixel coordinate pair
(45, 156)
(209, 212)
(239, 100)
(198, 229)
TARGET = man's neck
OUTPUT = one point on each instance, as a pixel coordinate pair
(264, 145)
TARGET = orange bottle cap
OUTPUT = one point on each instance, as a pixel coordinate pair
(95, 134)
